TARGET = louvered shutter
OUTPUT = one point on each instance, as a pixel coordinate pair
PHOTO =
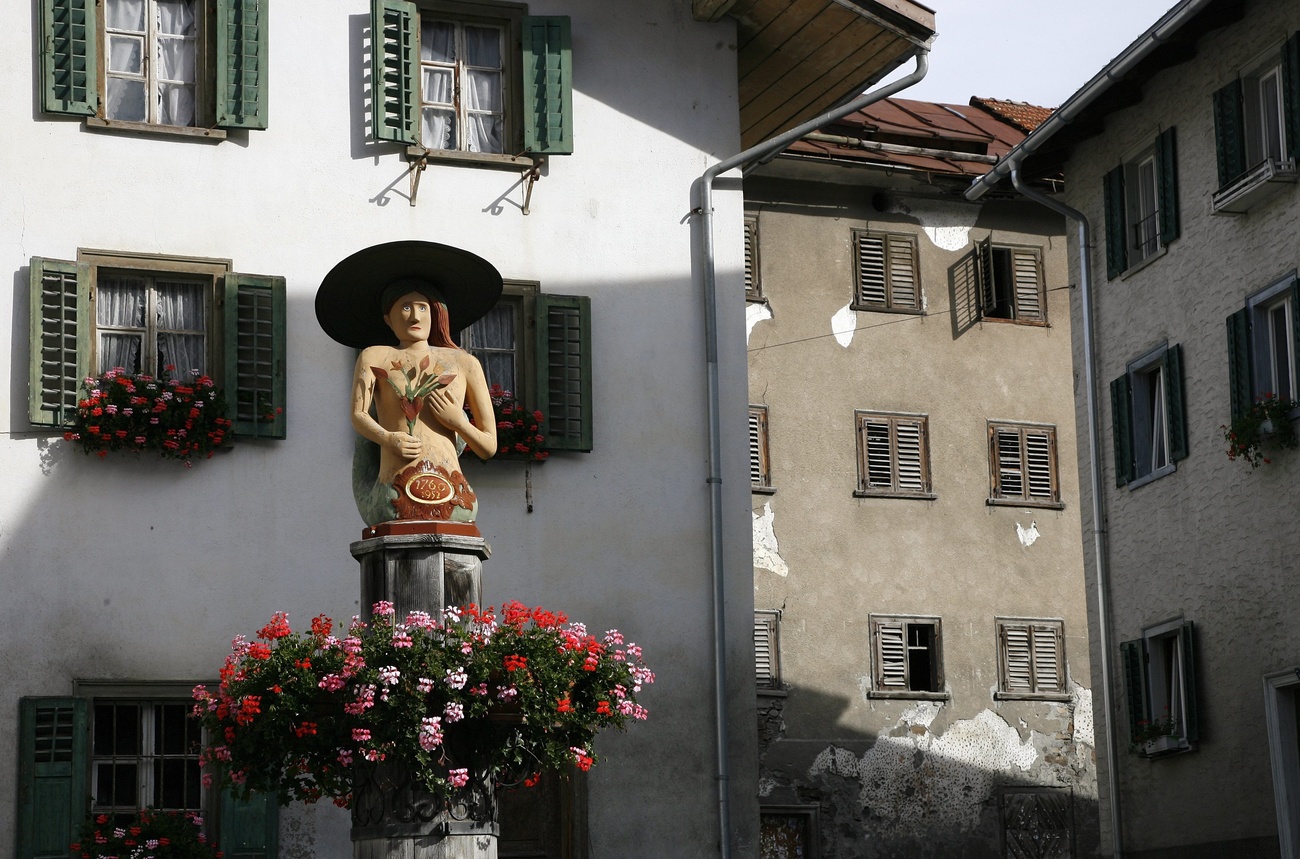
(1030, 293)
(1175, 402)
(1010, 466)
(241, 63)
(249, 827)
(766, 662)
(548, 85)
(753, 288)
(563, 332)
(911, 467)
(1116, 223)
(1049, 675)
(1239, 368)
(1017, 659)
(987, 287)
(69, 57)
(51, 775)
(873, 281)
(879, 459)
(1191, 720)
(904, 288)
(59, 347)
(255, 384)
(1167, 185)
(759, 469)
(1291, 95)
(1039, 451)
(1121, 424)
(1295, 329)
(1133, 661)
(966, 291)
(1229, 133)
(891, 656)
(393, 68)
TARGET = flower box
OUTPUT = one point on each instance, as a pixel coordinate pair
(1163, 746)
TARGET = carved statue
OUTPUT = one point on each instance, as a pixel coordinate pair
(410, 388)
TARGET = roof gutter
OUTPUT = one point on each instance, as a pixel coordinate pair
(702, 199)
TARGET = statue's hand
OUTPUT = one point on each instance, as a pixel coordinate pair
(403, 444)
(449, 412)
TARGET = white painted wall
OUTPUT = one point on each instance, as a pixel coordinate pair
(140, 569)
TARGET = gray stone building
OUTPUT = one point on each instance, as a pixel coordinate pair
(920, 622)
(1180, 158)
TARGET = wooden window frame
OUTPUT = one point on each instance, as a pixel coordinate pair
(864, 418)
(521, 297)
(767, 636)
(890, 243)
(998, 496)
(760, 459)
(880, 686)
(988, 254)
(753, 270)
(1035, 692)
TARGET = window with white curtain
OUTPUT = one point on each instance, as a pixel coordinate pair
(151, 61)
(147, 322)
(462, 72)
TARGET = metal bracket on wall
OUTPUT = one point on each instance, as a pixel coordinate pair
(533, 174)
(417, 170)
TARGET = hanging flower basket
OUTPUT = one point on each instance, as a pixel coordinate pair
(137, 412)
(1268, 418)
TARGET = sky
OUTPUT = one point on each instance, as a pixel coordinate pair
(1038, 51)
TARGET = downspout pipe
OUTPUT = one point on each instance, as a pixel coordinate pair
(1094, 467)
(702, 200)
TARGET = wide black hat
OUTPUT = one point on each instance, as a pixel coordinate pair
(347, 303)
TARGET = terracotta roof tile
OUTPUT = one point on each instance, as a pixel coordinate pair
(1024, 116)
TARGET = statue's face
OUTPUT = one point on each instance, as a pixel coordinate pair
(410, 317)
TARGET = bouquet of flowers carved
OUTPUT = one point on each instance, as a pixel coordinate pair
(447, 699)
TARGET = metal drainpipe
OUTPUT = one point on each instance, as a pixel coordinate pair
(1094, 466)
(702, 193)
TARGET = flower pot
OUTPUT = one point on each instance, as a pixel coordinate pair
(1266, 427)
(1162, 746)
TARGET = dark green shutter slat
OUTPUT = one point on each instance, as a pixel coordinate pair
(1295, 333)
(1229, 133)
(249, 828)
(1167, 185)
(1239, 369)
(1191, 724)
(241, 63)
(51, 775)
(548, 85)
(1291, 94)
(563, 326)
(1116, 223)
(393, 68)
(1133, 658)
(69, 57)
(59, 339)
(1122, 429)
(1175, 402)
(254, 318)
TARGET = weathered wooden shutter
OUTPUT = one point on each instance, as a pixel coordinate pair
(1239, 368)
(872, 274)
(1291, 94)
(1116, 223)
(563, 332)
(255, 384)
(966, 292)
(904, 285)
(766, 658)
(1167, 185)
(69, 57)
(1049, 673)
(249, 828)
(753, 287)
(891, 656)
(1017, 659)
(60, 332)
(988, 286)
(1132, 655)
(1028, 287)
(1121, 424)
(1040, 450)
(1175, 402)
(910, 441)
(394, 95)
(1229, 133)
(1010, 470)
(547, 85)
(879, 471)
(1191, 720)
(52, 766)
(241, 63)
(759, 468)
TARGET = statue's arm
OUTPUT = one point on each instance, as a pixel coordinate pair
(363, 394)
(480, 434)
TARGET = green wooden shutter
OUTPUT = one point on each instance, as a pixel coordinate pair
(1239, 368)
(1229, 133)
(52, 765)
(548, 85)
(1121, 422)
(241, 63)
(249, 828)
(563, 332)
(1291, 94)
(69, 57)
(394, 96)
(59, 346)
(1167, 185)
(1133, 659)
(1295, 330)
(1191, 723)
(254, 312)
(1175, 401)
(1116, 223)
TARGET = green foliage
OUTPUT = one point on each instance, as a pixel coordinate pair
(1268, 416)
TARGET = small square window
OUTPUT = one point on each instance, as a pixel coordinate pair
(908, 657)
(767, 649)
(1150, 423)
(999, 282)
(1031, 660)
(893, 455)
(760, 463)
(1022, 465)
(1160, 682)
(886, 273)
(144, 754)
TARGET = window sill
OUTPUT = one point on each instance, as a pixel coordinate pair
(1259, 184)
(473, 159)
(1155, 475)
(918, 496)
(909, 696)
(1165, 747)
(1143, 263)
(762, 490)
(769, 692)
(876, 308)
(1031, 696)
(1030, 323)
(1025, 502)
(210, 134)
